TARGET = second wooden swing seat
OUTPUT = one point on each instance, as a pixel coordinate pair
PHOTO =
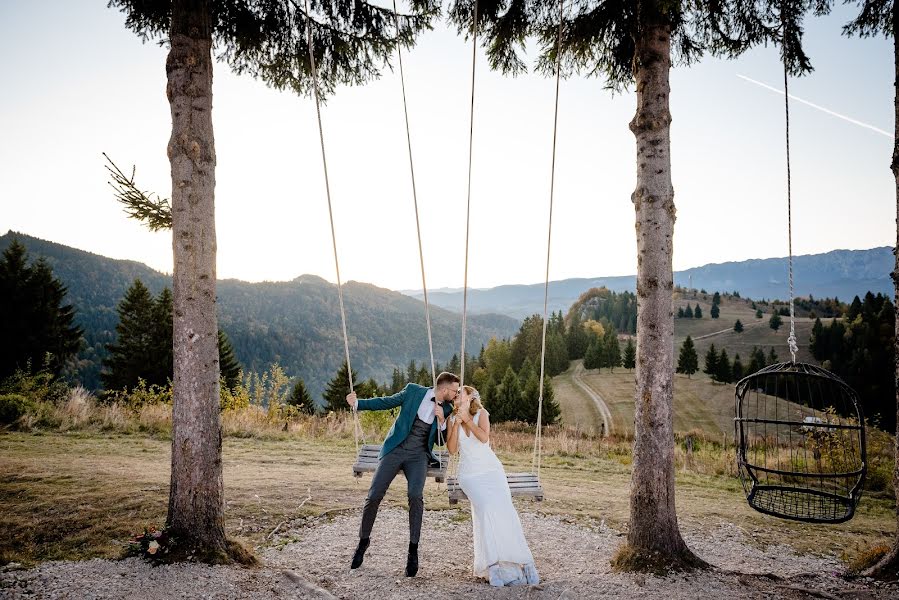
(520, 484)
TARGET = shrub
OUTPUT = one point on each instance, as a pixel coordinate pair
(36, 387)
(13, 406)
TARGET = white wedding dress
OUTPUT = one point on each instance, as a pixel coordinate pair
(501, 553)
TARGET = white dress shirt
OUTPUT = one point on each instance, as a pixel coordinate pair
(426, 409)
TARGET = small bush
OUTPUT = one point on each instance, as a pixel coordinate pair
(14, 406)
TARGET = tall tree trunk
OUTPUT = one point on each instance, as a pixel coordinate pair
(653, 540)
(196, 499)
(889, 565)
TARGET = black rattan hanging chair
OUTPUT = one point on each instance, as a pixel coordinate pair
(800, 443)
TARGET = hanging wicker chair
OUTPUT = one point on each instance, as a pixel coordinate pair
(800, 443)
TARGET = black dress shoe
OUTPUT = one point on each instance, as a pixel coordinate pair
(360, 553)
(412, 560)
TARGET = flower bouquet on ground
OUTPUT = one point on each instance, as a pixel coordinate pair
(153, 544)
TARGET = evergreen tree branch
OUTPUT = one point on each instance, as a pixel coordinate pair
(154, 211)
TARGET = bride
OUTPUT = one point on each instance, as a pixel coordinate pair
(501, 554)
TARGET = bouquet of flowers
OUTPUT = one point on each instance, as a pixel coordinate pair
(153, 544)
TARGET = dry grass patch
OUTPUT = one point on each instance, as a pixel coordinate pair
(82, 495)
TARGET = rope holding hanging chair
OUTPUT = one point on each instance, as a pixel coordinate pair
(800, 443)
(799, 429)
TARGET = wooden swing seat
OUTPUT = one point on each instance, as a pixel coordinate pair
(520, 484)
(367, 462)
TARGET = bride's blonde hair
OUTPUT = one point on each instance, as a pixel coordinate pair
(475, 405)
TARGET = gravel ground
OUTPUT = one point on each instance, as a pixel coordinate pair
(310, 558)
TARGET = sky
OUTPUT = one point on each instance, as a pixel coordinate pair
(77, 83)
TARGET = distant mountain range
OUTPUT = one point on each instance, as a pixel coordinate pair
(840, 273)
(296, 323)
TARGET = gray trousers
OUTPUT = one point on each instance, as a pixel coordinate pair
(410, 457)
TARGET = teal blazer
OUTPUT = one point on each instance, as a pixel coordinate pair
(409, 398)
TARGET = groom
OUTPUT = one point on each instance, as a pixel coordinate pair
(407, 448)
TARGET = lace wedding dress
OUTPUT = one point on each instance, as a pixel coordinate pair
(501, 553)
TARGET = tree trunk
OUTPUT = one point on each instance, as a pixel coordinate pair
(654, 541)
(196, 499)
(888, 567)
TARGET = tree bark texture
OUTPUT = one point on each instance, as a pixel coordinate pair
(889, 566)
(196, 498)
(653, 526)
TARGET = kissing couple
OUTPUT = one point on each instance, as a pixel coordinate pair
(501, 553)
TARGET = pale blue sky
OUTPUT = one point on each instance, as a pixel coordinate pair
(77, 83)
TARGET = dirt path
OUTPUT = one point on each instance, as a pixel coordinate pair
(729, 329)
(309, 559)
(604, 411)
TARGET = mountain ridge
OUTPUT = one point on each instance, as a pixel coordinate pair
(295, 323)
(836, 273)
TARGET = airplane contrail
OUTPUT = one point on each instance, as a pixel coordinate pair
(821, 108)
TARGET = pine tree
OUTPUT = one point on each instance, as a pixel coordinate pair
(738, 326)
(336, 392)
(737, 368)
(818, 342)
(758, 313)
(136, 340)
(397, 381)
(507, 401)
(723, 369)
(530, 396)
(772, 356)
(716, 300)
(35, 325)
(711, 362)
(551, 409)
(697, 312)
(592, 358)
(688, 312)
(630, 354)
(300, 397)
(688, 360)
(715, 311)
(160, 362)
(557, 360)
(756, 360)
(455, 365)
(229, 366)
(488, 394)
(775, 321)
(527, 371)
(855, 309)
(612, 350)
(680, 312)
(577, 339)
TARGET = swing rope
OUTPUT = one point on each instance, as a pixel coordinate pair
(538, 439)
(357, 428)
(421, 256)
(474, 55)
(791, 340)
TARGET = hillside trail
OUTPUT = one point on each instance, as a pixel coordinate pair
(309, 559)
(729, 329)
(605, 413)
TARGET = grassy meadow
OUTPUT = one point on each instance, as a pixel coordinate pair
(78, 478)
